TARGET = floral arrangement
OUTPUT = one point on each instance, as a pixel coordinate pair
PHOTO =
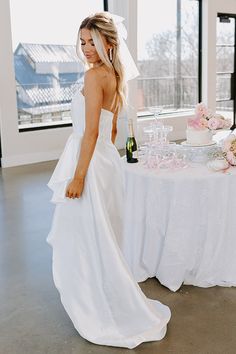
(229, 149)
(204, 118)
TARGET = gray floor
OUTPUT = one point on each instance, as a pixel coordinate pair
(32, 319)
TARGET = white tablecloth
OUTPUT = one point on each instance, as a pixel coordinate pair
(181, 226)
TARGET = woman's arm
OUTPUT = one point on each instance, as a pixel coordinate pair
(93, 94)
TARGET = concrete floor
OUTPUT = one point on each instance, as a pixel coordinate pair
(32, 319)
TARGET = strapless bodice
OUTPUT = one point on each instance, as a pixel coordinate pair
(104, 150)
(78, 118)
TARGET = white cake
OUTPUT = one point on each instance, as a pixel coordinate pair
(198, 137)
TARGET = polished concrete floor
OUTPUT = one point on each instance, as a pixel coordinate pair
(32, 319)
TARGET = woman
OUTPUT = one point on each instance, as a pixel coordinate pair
(96, 287)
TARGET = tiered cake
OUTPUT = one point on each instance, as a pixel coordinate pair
(201, 127)
(198, 137)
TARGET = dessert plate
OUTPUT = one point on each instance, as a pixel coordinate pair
(198, 145)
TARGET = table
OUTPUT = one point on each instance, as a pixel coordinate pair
(180, 226)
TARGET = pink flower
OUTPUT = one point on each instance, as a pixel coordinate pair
(198, 115)
(204, 122)
(195, 123)
(213, 123)
(201, 109)
(233, 146)
(229, 149)
(205, 118)
(221, 123)
(227, 123)
(231, 158)
(226, 146)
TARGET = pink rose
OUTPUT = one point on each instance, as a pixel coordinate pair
(195, 123)
(228, 142)
(198, 115)
(221, 123)
(231, 158)
(233, 146)
(226, 145)
(227, 123)
(201, 109)
(213, 123)
(204, 122)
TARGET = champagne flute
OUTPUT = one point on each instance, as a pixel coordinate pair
(166, 130)
(156, 111)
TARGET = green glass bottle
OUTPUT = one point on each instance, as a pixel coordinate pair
(131, 145)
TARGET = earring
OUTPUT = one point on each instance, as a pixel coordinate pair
(110, 54)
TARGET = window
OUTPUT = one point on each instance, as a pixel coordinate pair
(168, 55)
(47, 69)
(225, 66)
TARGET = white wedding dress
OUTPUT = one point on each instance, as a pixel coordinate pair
(97, 289)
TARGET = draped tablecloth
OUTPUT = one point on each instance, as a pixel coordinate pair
(180, 226)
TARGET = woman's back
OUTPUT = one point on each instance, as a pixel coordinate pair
(109, 85)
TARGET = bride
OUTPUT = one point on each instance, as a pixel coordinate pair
(96, 287)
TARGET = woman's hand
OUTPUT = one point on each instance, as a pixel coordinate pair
(75, 188)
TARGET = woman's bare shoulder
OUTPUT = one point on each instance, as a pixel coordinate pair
(101, 72)
(91, 74)
(100, 77)
(92, 78)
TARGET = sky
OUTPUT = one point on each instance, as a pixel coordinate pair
(57, 22)
(151, 20)
(49, 21)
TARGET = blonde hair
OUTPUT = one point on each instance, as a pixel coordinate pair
(101, 24)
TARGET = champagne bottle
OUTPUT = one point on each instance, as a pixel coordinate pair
(131, 145)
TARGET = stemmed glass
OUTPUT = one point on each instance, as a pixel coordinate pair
(161, 131)
(156, 110)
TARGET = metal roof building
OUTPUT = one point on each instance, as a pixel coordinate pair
(46, 76)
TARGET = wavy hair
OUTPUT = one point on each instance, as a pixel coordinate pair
(101, 24)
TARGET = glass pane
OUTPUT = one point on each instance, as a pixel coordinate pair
(225, 32)
(224, 59)
(223, 86)
(168, 54)
(225, 46)
(47, 69)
